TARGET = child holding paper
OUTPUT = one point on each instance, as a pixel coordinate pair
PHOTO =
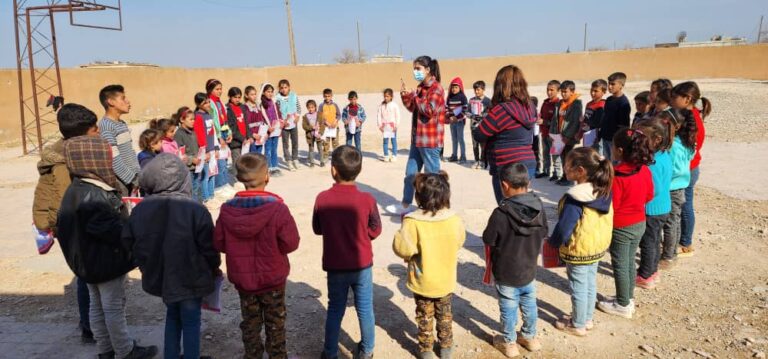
(185, 137)
(314, 128)
(388, 118)
(271, 114)
(564, 129)
(353, 117)
(206, 141)
(255, 122)
(257, 231)
(289, 106)
(330, 114)
(178, 263)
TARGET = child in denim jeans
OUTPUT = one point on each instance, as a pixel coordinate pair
(429, 241)
(348, 220)
(513, 239)
(583, 233)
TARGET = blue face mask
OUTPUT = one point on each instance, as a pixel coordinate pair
(418, 75)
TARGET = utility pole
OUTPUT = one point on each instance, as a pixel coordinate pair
(359, 50)
(290, 32)
(387, 45)
(585, 36)
(760, 30)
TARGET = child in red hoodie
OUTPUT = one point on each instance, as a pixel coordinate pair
(348, 220)
(257, 231)
(632, 189)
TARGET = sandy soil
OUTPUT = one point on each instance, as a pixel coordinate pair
(712, 305)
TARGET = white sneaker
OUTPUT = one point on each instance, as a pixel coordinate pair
(393, 158)
(397, 209)
(614, 308)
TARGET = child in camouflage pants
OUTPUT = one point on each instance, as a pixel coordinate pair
(257, 231)
(429, 241)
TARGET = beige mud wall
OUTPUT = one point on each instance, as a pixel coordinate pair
(157, 92)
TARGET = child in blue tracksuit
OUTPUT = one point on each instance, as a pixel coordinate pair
(353, 112)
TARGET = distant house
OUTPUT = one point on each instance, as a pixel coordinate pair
(715, 41)
(115, 64)
(386, 58)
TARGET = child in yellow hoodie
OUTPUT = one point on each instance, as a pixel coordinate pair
(429, 241)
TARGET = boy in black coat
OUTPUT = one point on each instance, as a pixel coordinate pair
(90, 221)
(513, 239)
(172, 240)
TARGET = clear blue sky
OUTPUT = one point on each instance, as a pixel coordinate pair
(253, 33)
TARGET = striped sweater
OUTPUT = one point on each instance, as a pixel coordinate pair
(125, 163)
(507, 131)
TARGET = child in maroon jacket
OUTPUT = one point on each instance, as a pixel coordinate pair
(257, 231)
(348, 220)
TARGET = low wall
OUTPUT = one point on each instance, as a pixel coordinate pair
(159, 91)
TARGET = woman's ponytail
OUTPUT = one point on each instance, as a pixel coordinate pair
(434, 68)
(706, 107)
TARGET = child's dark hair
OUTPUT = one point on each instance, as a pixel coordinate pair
(162, 124)
(180, 114)
(352, 94)
(283, 82)
(479, 85)
(148, 137)
(75, 120)
(347, 161)
(431, 64)
(691, 90)
(643, 97)
(659, 127)
(327, 92)
(510, 84)
(388, 91)
(248, 89)
(619, 77)
(555, 83)
(199, 99)
(665, 96)
(599, 170)
(234, 91)
(568, 84)
(211, 84)
(515, 175)
(109, 92)
(311, 102)
(251, 169)
(433, 192)
(264, 89)
(601, 84)
(635, 146)
(688, 129)
(661, 84)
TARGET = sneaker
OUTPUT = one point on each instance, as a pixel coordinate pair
(462, 161)
(533, 344)
(426, 355)
(567, 326)
(645, 283)
(685, 251)
(295, 167)
(666, 264)
(393, 158)
(140, 352)
(311, 164)
(589, 325)
(446, 353)
(397, 209)
(541, 175)
(360, 354)
(277, 173)
(322, 163)
(553, 178)
(656, 277)
(614, 308)
(86, 337)
(453, 159)
(509, 350)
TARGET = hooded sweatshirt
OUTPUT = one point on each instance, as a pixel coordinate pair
(457, 102)
(53, 182)
(171, 235)
(513, 238)
(256, 231)
(430, 244)
(584, 226)
(632, 190)
(507, 132)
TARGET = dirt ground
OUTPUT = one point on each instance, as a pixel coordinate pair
(713, 305)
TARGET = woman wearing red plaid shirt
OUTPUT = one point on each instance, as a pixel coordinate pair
(427, 103)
